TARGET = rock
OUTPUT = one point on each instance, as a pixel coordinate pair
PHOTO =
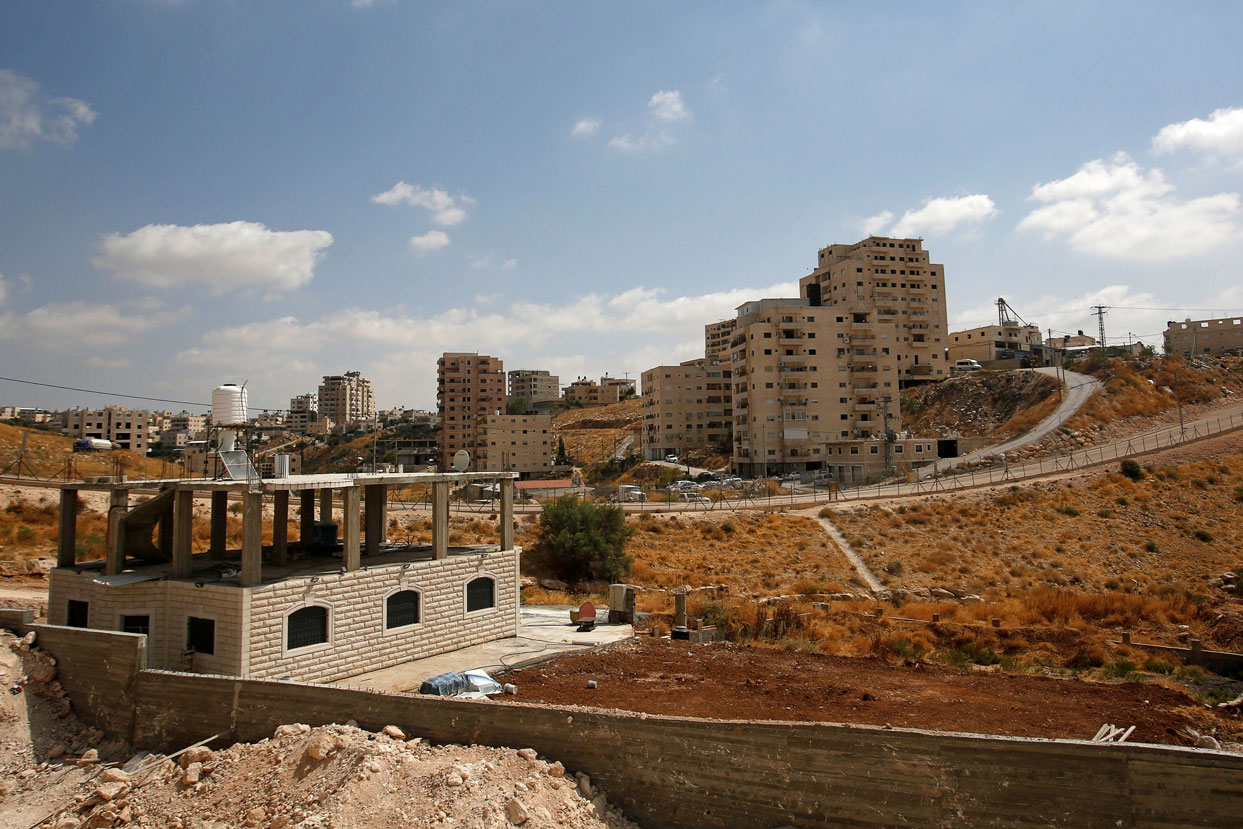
(516, 811)
(319, 746)
(554, 584)
(66, 823)
(57, 751)
(88, 757)
(200, 755)
(527, 753)
(6, 787)
(1205, 741)
(394, 732)
(29, 639)
(291, 730)
(556, 770)
(972, 599)
(190, 776)
(255, 816)
(584, 784)
(454, 780)
(942, 593)
(108, 791)
(279, 822)
(113, 776)
(414, 742)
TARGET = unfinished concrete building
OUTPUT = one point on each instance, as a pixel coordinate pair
(534, 386)
(467, 385)
(523, 444)
(125, 428)
(309, 609)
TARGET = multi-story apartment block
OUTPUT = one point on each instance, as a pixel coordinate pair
(588, 393)
(817, 377)
(186, 422)
(514, 443)
(303, 413)
(127, 428)
(1212, 336)
(346, 398)
(534, 386)
(1011, 341)
(686, 407)
(716, 339)
(467, 385)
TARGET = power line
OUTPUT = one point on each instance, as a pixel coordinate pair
(128, 396)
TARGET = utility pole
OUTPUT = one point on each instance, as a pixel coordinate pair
(1099, 311)
(884, 401)
(1178, 393)
(1056, 362)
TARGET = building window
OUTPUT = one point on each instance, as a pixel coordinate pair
(401, 609)
(306, 626)
(136, 624)
(480, 594)
(78, 614)
(201, 635)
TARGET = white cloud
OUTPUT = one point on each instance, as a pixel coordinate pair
(4, 290)
(1115, 209)
(668, 106)
(27, 117)
(585, 128)
(665, 109)
(446, 210)
(61, 326)
(876, 224)
(430, 241)
(489, 260)
(1221, 135)
(224, 257)
(942, 215)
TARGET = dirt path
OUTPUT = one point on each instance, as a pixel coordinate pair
(856, 560)
(728, 681)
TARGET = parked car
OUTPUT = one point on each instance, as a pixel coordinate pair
(671, 459)
(693, 498)
(967, 365)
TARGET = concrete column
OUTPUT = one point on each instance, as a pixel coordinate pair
(164, 531)
(507, 514)
(183, 532)
(349, 518)
(373, 526)
(384, 516)
(325, 504)
(67, 540)
(440, 519)
(306, 529)
(118, 506)
(679, 610)
(219, 524)
(280, 527)
(252, 538)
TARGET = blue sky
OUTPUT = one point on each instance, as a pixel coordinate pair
(202, 191)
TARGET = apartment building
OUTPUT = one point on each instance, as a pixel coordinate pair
(126, 428)
(514, 443)
(1212, 336)
(996, 342)
(686, 407)
(716, 338)
(1080, 340)
(534, 386)
(467, 385)
(588, 393)
(818, 375)
(346, 398)
(303, 413)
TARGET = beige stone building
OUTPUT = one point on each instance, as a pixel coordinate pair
(127, 428)
(588, 393)
(346, 398)
(535, 386)
(304, 413)
(1211, 336)
(302, 609)
(1080, 340)
(716, 338)
(996, 342)
(818, 375)
(514, 443)
(467, 385)
(686, 407)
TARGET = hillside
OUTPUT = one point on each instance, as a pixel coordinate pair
(999, 403)
(594, 434)
(48, 453)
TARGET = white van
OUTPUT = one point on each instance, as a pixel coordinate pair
(967, 365)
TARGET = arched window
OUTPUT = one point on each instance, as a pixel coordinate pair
(307, 626)
(401, 609)
(480, 594)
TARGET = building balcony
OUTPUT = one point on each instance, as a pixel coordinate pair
(861, 388)
(865, 325)
(865, 405)
(921, 369)
(920, 343)
(861, 339)
(864, 368)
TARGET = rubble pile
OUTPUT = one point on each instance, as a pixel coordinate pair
(973, 405)
(343, 777)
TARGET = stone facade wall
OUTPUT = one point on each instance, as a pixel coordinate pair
(681, 772)
(169, 604)
(358, 641)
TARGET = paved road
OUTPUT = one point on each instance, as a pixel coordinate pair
(1078, 389)
(693, 471)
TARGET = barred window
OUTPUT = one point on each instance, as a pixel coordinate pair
(480, 594)
(308, 626)
(402, 609)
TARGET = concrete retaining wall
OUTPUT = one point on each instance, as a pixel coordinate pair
(677, 772)
(97, 669)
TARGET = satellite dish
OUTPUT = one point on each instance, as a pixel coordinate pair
(461, 460)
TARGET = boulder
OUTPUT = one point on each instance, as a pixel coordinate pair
(394, 732)
(516, 811)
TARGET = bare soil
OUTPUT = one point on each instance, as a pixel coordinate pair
(730, 681)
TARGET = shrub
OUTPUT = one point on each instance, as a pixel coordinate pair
(1158, 666)
(1088, 656)
(1132, 470)
(715, 613)
(1120, 669)
(1066, 509)
(1203, 535)
(583, 539)
(1151, 546)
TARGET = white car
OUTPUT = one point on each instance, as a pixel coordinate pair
(671, 459)
(693, 498)
(967, 365)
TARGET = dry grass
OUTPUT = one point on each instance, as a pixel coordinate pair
(48, 453)
(1143, 388)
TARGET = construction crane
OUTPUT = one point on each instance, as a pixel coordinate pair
(1006, 315)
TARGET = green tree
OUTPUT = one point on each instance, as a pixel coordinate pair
(563, 457)
(518, 406)
(585, 540)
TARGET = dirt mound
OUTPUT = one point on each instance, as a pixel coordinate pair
(981, 403)
(613, 416)
(343, 777)
(49, 455)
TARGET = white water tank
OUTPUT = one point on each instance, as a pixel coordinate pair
(228, 405)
